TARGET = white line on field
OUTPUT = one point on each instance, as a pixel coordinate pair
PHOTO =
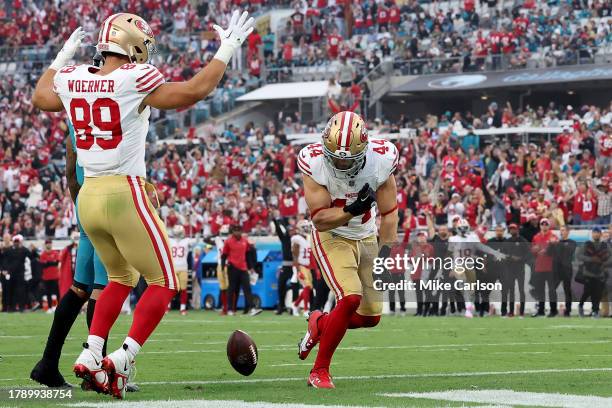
(428, 347)
(540, 399)
(522, 352)
(389, 376)
(197, 404)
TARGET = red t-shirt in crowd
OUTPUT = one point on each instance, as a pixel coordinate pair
(235, 250)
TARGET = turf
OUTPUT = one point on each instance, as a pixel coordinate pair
(400, 355)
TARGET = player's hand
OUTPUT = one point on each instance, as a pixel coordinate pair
(365, 199)
(500, 257)
(69, 49)
(234, 35)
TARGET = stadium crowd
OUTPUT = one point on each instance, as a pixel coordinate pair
(417, 33)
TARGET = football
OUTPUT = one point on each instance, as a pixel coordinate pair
(242, 352)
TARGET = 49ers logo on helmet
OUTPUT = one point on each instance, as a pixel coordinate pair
(144, 27)
(364, 135)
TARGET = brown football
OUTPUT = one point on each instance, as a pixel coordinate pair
(242, 352)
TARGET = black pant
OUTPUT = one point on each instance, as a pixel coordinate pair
(5, 294)
(321, 294)
(397, 278)
(540, 279)
(16, 294)
(283, 278)
(515, 273)
(237, 279)
(452, 296)
(593, 288)
(564, 276)
(50, 288)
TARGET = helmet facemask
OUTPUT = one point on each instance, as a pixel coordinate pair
(342, 165)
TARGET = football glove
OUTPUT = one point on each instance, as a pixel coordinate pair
(232, 38)
(68, 50)
(365, 199)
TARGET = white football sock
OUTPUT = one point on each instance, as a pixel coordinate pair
(95, 345)
(132, 347)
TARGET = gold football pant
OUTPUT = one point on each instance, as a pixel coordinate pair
(347, 266)
(182, 279)
(222, 276)
(305, 276)
(126, 231)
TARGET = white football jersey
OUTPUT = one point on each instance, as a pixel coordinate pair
(180, 250)
(465, 247)
(110, 131)
(381, 160)
(304, 245)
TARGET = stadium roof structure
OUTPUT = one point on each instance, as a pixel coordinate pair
(522, 78)
(289, 90)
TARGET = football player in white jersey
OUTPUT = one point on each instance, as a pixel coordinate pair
(300, 249)
(344, 177)
(179, 246)
(465, 245)
(109, 107)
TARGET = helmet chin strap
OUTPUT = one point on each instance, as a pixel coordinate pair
(98, 60)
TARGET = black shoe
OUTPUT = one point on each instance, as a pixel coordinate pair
(538, 314)
(279, 312)
(48, 374)
(567, 313)
(553, 314)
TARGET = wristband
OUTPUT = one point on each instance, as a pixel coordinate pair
(224, 53)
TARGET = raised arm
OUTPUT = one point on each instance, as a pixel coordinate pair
(173, 95)
(44, 97)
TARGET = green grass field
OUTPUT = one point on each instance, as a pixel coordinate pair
(185, 360)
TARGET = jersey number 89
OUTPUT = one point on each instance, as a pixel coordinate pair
(82, 123)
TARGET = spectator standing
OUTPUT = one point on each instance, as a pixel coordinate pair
(14, 263)
(235, 250)
(518, 256)
(596, 261)
(281, 228)
(346, 73)
(49, 262)
(604, 202)
(543, 270)
(67, 265)
(563, 255)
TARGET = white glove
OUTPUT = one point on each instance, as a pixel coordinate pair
(500, 257)
(232, 38)
(68, 50)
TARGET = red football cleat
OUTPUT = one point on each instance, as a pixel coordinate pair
(312, 336)
(320, 379)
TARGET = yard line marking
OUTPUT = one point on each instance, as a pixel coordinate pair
(522, 352)
(540, 399)
(220, 321)
(16, 337)
(197, 404)
(428, 347)
(388, 376)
